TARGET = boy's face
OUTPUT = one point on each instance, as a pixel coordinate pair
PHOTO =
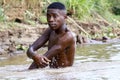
(55, 18)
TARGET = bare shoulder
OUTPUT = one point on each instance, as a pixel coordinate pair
(71, 35)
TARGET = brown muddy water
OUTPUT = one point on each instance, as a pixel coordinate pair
(92, 62)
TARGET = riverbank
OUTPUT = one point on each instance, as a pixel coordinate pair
(15, 37)
(18, 37)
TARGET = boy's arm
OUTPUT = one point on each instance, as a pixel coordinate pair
(68, 41)
(41, 61)
(53, 51)
(38, 43)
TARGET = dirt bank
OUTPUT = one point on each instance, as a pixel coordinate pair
(19, 38)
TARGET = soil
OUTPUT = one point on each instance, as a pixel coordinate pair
(18, 36)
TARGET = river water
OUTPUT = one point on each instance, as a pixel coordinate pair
(92, 62)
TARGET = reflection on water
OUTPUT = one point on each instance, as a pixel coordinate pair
(101, 52)
(13, 60)
(92, 62)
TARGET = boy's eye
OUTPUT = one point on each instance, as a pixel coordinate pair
(54, 16)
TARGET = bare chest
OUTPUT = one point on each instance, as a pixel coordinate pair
(54, 39)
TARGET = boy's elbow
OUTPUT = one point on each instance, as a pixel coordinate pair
(30, 52)
(59, 48)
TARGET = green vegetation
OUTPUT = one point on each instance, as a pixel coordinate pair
(81, 9)
(91, 11)
(2, 15)
(85, 8)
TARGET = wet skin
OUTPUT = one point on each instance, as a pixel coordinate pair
(61, 43)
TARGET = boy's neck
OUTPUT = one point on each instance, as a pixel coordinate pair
(61, 30)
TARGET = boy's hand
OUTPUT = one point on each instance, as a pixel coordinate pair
(40, 60)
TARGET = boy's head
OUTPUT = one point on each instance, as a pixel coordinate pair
(56, 5)
(56, 14)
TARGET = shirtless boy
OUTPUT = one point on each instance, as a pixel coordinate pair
(61, 42)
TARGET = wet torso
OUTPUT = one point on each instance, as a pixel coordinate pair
(61, 59)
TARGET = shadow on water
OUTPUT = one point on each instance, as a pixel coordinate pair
(92, 62)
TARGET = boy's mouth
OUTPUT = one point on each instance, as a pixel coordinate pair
(52, 24)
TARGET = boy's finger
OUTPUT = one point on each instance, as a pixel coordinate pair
(47, 59)
(43, 60)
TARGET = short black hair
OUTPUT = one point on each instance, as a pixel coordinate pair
(57, 5)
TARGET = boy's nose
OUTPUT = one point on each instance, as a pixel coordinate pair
(51, 19)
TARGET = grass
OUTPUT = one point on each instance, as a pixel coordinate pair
(2, 15)
(82, 10)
